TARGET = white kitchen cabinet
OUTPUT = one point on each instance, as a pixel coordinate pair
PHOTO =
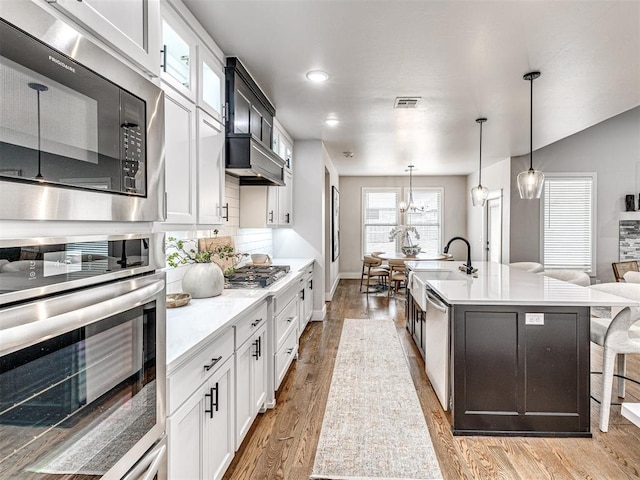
(285, 201)
(201, 407)
(251, 368)
(131, 28)
(178, 54)
(285, 331)
(210, 168)
(210, 83)
(262, 206)
(180, 158)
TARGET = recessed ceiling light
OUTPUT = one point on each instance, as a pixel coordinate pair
(332, 122)
(317, 76)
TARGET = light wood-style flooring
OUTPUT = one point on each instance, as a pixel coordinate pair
(282, 441)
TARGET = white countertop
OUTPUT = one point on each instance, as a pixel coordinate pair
(498, 284)
(201, 320)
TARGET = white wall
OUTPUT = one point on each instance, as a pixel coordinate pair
(454, 207)
(612, 150)
(497, 178)
(307, 236)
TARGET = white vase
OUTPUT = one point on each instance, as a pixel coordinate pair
(203, 280)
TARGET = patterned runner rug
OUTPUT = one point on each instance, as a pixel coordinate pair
(373, 425)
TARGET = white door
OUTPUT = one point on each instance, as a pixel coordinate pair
(494, 229)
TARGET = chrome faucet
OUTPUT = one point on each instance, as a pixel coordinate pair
(468, 269)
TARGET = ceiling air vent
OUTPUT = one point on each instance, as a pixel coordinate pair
(406, 102)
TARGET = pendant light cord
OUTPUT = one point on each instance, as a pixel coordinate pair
(480, 166)
(531, 126)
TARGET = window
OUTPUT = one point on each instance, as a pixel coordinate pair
(568, 222)
(428, 221)
(381, 214)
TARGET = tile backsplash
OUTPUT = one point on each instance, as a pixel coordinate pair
(245, 240)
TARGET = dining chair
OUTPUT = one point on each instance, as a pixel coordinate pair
(618, 336)
(372, 268)
(398, 274)
(620, 268)
(533, 267)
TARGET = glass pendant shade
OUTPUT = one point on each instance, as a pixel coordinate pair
(479, 195)
(530, 184)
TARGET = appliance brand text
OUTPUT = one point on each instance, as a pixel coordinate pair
(62, 64)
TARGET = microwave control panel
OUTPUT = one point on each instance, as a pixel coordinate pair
(132, 144)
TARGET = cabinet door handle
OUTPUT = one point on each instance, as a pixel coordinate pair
(256, 353)
(212, 404)
(226, 209)
(271, 216)
(259, 346)
(213, 362)
(256, 322)
(287, 216)
(302, 293)
(310, 284)
(164, 58)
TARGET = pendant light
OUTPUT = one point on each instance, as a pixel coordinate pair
(530, 181)
(479, 194)
(410, 206)
(38, 87)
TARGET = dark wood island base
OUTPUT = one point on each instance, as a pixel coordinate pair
(515, 374)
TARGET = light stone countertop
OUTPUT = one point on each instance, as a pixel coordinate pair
(498, 284)
(191, 327)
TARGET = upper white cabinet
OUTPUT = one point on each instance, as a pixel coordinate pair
(282, 144)
(210, 83)
(262, 206)
(178, 59)
(285, 200)
(132, 28)
(180, 158)
(210, 170)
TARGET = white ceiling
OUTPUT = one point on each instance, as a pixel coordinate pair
(465, 59)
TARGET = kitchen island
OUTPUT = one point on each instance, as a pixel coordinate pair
(507, 350)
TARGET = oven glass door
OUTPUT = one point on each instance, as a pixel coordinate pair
(75, 404)
(64, 124)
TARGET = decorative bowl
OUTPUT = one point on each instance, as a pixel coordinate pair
(175, 300)
(411, 251)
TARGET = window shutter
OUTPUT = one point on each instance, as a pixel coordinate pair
(568, 214)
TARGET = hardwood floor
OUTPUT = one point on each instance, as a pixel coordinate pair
(282, 442)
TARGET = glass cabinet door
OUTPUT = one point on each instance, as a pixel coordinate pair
(210, 84)
(178, 56)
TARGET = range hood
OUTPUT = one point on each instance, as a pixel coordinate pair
(252, 162)
(249, 130)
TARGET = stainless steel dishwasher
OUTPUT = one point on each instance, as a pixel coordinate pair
(436, 339)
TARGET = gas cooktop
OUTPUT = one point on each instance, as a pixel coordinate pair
(253, 276)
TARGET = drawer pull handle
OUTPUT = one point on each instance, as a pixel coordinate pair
(290, 351)
(255, 323)
(213, 362)
(258, 344)
(290, 319)
(212, 404)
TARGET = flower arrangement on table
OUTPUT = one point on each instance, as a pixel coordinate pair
(404, 232)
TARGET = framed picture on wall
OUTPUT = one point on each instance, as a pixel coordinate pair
(335, 224)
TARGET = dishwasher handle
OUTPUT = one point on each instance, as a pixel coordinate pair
(436, 303)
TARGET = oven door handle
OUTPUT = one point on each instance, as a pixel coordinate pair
(50, 326)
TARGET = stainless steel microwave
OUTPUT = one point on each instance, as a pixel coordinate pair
(81, 134)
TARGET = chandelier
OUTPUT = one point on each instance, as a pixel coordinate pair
(411, 206)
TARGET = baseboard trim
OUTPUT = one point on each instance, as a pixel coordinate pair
(319, 315)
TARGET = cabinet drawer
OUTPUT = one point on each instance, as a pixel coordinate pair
(250, 323)
(185, 380)
(286, 354)
(287, 318)
(281, 301)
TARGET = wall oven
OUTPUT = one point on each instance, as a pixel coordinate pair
(82, 357)
(81, 134)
